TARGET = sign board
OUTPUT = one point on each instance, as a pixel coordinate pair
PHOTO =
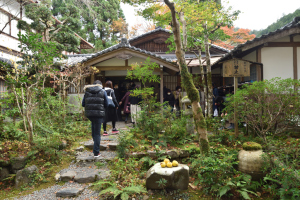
(236, 68)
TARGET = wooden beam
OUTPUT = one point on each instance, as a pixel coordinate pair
(282, 44)
(126, 63)
(281, 34)
(295, 68)
(161, 84)
(113, 68)
(259, 67)
(98, 59)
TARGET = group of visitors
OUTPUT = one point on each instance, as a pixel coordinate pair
(173, 98)
(102, 105)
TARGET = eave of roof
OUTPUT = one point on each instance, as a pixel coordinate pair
(168, 31)
(124, 44)
(294, 23)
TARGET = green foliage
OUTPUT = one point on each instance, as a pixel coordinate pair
(284, 20)
(251, 146)
(282, 168)
(98, 24)
(214, 171)
(124, 181)
(268, 107)
(61, 34)
(161, 127)
(125, 139)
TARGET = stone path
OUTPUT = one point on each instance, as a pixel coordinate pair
(82, 171)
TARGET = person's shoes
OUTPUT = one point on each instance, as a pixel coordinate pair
(126, 122)
(114, 131)
(105, 133)
(97, 156)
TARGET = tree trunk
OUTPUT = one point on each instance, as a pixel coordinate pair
(188, 83)
(203, 83)
(209, 78)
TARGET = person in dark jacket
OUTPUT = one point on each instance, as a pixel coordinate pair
(95, 101)
(135, 108)
(110, 112)
(118, 97)
(126, 105)
(169, 97)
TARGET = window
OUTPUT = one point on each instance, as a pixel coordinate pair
(4, 22)
(3, 88)
(170, 82)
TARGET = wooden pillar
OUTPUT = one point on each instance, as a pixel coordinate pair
(92, 78)
(236, 129)
(259, 71)
(161, 84)
(295, 62)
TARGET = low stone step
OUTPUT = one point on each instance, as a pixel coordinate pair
(88, 177)
(69, 192)
(90, 145)
(113, 146)
(67, 176)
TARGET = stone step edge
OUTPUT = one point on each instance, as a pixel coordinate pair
(172, 153)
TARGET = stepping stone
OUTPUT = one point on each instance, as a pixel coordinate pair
(107, 138)
(81, 148)
(69, 192)
(90, 145)
(85, 159)
(85, 177)
(113, 146)
(67, 176)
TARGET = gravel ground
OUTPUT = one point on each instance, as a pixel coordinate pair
(50, 193)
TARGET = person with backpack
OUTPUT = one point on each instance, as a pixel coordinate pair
(95, 102)
(111, 110)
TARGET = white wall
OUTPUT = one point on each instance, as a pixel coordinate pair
(297, 38)
(250, 57)
(277, 62)
(112, 62)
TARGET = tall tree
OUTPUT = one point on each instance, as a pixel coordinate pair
(100, 19)
(201, 22)
(60, 33)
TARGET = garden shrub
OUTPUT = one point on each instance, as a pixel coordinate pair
(268, 107)
(283, 169)
(125, 139)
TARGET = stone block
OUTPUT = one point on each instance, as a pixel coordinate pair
(184, 153)
(176, 177)
(67, 176)
(173, 154)
(23, 176)
(69, 192)
(80, 149)
(88, 177)
(113, 146)
(18, 163)
(4, 173)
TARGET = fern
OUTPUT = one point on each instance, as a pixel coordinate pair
(134, 189)
(100, 184)
(112, 190)
(124, 196)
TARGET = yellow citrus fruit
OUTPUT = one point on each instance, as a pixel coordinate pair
(163, 165)
(169, 164)
(166, 160)
(175, 163)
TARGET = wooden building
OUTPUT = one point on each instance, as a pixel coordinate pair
(114, 61)
(276, 54)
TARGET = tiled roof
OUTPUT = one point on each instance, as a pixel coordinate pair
(292, 24)
(168, 31)
(124, 44)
